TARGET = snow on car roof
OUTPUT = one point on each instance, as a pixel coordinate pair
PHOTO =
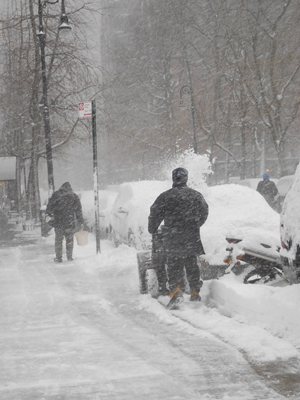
(284, 184)
(237, 211)
(137, 198)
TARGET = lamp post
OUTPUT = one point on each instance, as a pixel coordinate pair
(188, 90)
(63, 28)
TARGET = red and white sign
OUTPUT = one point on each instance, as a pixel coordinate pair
(85, 110)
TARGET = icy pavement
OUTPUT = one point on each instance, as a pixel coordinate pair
(81, 330)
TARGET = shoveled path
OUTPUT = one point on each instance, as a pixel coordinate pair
(71, 333)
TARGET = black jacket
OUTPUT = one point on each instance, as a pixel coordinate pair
(183, 211)
(268, 190)
(64, 205)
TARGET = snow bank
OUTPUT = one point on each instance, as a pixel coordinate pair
(271, 308)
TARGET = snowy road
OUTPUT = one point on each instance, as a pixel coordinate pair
(77, 331)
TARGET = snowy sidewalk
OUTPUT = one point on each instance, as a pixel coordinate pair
(81, 330)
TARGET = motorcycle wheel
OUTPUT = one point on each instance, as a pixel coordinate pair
(252, 277)
(255, 277)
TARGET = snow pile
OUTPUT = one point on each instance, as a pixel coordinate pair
(271, 308)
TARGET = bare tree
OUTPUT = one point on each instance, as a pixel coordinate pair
(71, 74)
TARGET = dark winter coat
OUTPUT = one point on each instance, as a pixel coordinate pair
(183, 211)
(268, 190)
(65, 207)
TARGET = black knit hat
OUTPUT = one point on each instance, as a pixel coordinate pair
(180, 174)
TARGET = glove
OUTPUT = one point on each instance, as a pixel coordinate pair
(47, 218)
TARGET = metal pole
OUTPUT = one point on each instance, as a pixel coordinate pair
(194, 124)
(188, 90)
(46, 118)
(95, 174)
(63, 9)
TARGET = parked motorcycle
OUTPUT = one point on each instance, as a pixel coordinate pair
(267, 266)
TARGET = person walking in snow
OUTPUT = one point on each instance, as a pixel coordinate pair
(183, 211)
(64, 209)
(268, 190)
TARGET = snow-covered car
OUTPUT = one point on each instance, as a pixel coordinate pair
(283, 185)
(106, 201)
(236, 211)
(130, 211)
(233, 210)
(290, 229)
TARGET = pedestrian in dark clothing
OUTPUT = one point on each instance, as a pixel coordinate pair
(65, 210)
(268, 190)
(183, 211)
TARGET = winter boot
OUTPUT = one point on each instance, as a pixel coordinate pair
(58, 259)
(176, 299)
(195, 296)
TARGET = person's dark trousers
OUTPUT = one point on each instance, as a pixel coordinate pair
(59, 236)
(175, 271)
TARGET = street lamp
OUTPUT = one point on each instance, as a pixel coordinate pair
(188, 90)
(63, 28)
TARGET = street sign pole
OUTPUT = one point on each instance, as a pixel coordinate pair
(95, 174)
